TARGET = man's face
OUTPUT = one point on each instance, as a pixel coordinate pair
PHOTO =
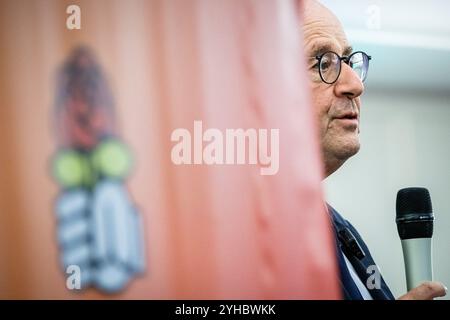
(337, 105)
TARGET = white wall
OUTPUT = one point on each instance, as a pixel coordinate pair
(405, 141)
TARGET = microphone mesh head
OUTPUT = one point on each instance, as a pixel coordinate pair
(414, 213)
(413, 200)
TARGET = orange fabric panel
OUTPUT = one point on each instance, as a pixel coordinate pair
(211, 231)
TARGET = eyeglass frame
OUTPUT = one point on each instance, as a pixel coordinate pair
(346, 60)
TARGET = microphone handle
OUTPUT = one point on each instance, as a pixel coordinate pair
(418, 261)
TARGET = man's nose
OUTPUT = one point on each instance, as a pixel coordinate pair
(349, 84)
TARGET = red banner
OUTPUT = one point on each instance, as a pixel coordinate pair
(166, 148)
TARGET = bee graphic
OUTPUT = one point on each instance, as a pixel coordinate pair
(99, 228)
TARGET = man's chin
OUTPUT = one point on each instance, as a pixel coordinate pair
(348, 150)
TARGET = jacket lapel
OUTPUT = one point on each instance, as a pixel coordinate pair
(361, 265)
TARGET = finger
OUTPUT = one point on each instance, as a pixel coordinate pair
(111, 236)
(73, 231)
(426, 291)
(71, 204)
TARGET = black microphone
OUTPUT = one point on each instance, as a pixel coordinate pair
(415, 227)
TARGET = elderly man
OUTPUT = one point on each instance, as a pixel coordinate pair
(337, 73)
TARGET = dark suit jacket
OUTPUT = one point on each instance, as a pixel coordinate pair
(349, 289)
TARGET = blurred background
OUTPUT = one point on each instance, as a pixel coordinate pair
(405, 126)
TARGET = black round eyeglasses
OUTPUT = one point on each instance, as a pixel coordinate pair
(329, 64)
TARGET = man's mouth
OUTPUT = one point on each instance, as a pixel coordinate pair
(349, 115)
(348, 119)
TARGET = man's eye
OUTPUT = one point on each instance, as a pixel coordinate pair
(325, 64)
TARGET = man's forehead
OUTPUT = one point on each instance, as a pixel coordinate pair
(322, 31)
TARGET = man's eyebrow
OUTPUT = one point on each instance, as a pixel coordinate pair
(347, 51)
(319, 48)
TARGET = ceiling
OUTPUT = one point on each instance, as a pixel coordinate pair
(409, 41)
